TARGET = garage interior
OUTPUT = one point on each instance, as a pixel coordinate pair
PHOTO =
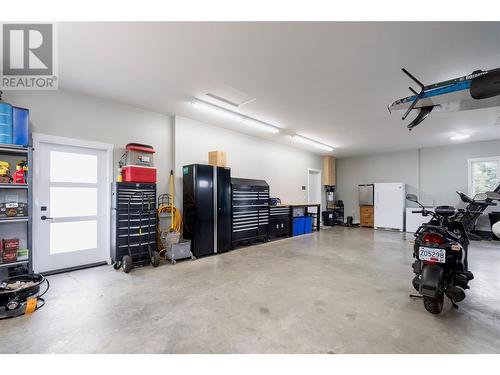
(241, 187)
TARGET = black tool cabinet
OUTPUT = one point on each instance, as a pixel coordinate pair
(250, 213)
(279, 221)
(134, 220)
(207, 208)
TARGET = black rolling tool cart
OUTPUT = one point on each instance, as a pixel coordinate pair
(279, 221)
(134, 225)
(250, 216)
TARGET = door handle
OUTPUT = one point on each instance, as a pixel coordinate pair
(46, 218)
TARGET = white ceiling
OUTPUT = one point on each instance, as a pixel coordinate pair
(328, 81)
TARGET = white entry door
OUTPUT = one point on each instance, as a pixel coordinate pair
(71, 203)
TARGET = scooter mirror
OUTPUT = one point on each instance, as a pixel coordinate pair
(412, 197)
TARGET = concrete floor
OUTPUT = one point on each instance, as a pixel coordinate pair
(343, 290)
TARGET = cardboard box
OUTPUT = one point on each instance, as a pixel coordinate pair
(217, 158)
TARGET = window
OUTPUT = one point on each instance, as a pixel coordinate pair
(484, 174)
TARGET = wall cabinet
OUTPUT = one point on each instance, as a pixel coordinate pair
(329, 170)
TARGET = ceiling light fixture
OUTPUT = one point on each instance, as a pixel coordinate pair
(235, 116)
(311, 142)
(459, 137)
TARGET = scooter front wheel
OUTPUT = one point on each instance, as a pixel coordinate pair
(434, 305)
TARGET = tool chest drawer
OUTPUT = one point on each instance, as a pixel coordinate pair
(250, 210)
(140, 196)
(279, 212)
(133, 218)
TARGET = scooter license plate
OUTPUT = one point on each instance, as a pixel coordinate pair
(432, 255)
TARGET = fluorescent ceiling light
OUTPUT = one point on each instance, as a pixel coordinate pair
(311, 142)
(234, 116)
(459, 137)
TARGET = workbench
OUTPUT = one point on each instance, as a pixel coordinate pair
(316, 215)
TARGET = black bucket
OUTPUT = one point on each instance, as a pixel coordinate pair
(13, 302)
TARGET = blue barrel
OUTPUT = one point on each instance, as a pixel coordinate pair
(5, 123)
(298, 226)
(308, 224)
(20, 126)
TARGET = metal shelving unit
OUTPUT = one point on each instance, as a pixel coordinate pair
(14, 186)
(18, 151)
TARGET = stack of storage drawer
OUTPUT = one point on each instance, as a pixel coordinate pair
(134, 219)
(250, 210)
(279, 221)
(366, 217)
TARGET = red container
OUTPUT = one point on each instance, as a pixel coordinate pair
(139, 154)
(9, 256)
(134, 173)
(11, 244)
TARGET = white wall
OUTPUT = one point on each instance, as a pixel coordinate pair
(70, 114)
(283, 167)
(433, 173)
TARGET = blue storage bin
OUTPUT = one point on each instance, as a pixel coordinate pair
(5, 123)
(308, 224)
(298, 226)
(20, 126)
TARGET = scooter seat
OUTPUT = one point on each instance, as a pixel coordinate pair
(445, 211)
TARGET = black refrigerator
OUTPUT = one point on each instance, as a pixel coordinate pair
(207, 208)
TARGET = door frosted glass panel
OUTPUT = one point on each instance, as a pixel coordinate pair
(73, 167)
(73, 201)
(73, 236)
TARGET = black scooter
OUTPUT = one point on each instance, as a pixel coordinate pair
(441, 251)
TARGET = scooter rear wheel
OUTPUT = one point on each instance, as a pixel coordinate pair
(434, 305)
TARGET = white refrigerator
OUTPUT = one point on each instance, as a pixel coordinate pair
(390, 204)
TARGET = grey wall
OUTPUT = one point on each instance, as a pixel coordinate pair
(74, 115)
(444, 170)
(389, 167)
(432, 173)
